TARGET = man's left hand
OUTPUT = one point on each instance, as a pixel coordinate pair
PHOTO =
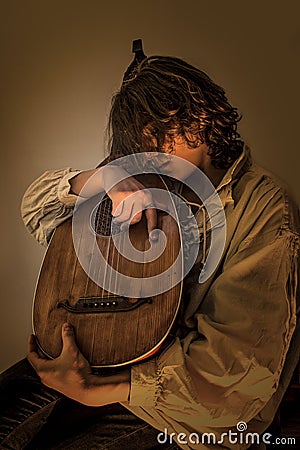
(71, 374)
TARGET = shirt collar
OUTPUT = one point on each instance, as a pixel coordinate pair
(237, 169)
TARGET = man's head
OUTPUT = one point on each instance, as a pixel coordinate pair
(168, 98)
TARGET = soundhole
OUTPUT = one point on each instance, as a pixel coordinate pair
(102, 222)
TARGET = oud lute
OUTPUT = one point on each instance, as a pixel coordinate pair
(111, 330)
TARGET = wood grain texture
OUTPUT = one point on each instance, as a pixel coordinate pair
(107, 338)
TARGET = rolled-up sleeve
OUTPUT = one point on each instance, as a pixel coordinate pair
(227, 369)
(48, 202)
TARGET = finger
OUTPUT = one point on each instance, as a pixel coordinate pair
(151, 216)
(117, 210)
(123, 212)
(32, 347)
(136, 213)
(68, 337)
(32, 354)
(130, 217)
(71, 355)
(132, 211)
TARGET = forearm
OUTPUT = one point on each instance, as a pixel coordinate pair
(50, 199)
(106, 389)
(77, 183)
(90, 182)
(105, 394)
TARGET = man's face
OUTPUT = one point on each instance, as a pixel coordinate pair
(177, 146)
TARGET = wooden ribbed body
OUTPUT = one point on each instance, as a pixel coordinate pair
(110, 338)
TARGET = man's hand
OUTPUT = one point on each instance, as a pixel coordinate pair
(129, 196)
(71, 374)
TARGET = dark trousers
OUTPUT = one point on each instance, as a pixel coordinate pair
(34, 417)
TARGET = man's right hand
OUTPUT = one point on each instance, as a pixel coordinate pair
(129, 196)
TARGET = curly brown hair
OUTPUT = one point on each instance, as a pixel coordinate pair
(171, 97)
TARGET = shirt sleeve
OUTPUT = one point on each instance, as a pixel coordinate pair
(48, 202)
(227, 369)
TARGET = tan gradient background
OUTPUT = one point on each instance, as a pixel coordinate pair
(62, 60)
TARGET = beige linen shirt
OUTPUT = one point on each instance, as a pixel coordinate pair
(239, 342)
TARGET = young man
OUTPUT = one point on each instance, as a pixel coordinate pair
(236, 344)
